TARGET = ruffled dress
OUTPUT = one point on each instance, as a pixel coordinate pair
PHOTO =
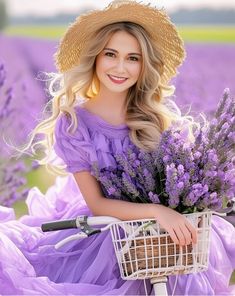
(29, 263)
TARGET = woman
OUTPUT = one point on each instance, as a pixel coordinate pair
(113, 88)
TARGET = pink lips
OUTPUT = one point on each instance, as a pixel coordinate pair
(118, 81)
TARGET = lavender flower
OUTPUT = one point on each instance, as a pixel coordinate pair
(13, 181)
(2, 75)
(186, 176)
(12, 171)
(154, 197)
(110, 183)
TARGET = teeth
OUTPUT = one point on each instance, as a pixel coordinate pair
(117, 78)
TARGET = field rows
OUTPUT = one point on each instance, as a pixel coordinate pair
(224, 34)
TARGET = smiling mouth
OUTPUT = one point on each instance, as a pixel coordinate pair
(117, 79)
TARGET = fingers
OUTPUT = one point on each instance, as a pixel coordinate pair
(193, 232)
(178, 226)
(183, 234)
(179, 237)
(173, 236)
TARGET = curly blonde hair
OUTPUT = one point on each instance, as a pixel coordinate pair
(149, 110)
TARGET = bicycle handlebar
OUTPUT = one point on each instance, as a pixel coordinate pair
(79, 222)
(59, 225)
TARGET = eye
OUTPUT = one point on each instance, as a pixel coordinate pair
(110, 54)
(135, 59)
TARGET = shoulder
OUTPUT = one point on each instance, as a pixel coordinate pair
(73, 143)
(65, 119)
(71, 126)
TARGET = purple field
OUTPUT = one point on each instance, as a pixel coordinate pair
(22, 94)
(207, 70)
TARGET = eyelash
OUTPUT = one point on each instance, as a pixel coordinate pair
(111, 54)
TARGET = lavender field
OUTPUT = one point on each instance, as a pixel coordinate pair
(208, 69)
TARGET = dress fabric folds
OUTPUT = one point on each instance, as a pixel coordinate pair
(29, 263)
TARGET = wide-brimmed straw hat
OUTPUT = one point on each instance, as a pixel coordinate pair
(155, 21)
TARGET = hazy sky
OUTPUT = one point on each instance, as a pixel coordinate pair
(51, 7)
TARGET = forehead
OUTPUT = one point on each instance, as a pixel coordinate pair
(124, 42)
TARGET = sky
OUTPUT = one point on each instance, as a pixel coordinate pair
(52, 7)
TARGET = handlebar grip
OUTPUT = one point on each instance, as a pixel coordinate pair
(59, 225)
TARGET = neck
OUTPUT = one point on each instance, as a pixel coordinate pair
(111, 101)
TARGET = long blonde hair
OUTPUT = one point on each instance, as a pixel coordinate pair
(149, 111)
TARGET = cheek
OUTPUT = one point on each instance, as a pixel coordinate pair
(103, 64)
(135, 70)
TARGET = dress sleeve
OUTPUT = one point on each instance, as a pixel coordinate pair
(72, 148)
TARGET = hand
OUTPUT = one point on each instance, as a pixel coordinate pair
(179, 228)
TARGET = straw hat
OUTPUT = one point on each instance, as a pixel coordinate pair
(155, 21)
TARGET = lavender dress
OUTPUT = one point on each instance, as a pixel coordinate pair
(29, 263)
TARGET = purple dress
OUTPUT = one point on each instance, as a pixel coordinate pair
(29, 263)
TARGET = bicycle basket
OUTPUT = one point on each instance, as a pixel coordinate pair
(144, 250)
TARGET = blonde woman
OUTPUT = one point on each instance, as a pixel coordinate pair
(111, 91)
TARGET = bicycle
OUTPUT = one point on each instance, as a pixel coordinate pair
(143, 249)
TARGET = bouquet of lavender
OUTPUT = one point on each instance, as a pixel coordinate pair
(186, 176)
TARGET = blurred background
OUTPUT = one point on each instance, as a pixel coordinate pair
(29, 35)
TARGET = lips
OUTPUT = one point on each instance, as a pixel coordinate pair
(118, 80)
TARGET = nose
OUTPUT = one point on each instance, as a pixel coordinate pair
(120, 66)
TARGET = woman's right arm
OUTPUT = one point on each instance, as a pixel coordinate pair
(179, 228)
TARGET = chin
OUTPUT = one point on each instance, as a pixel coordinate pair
(120, 89)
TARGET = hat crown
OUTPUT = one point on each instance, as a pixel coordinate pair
(117, 3)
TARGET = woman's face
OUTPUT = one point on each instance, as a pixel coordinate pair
(118, 65)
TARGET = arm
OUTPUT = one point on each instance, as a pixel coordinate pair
(180, 230)
(101, 206)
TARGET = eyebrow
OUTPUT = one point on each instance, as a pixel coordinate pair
(114, 50)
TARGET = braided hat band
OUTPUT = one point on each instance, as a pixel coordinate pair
(156, 22)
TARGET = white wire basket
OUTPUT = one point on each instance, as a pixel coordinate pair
(144, 250)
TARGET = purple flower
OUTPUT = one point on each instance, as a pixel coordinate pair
(2, 75)
(154, 197)
(13, 181)
(12, 170)
(186, 176)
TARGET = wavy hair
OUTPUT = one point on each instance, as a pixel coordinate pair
(149, 109)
